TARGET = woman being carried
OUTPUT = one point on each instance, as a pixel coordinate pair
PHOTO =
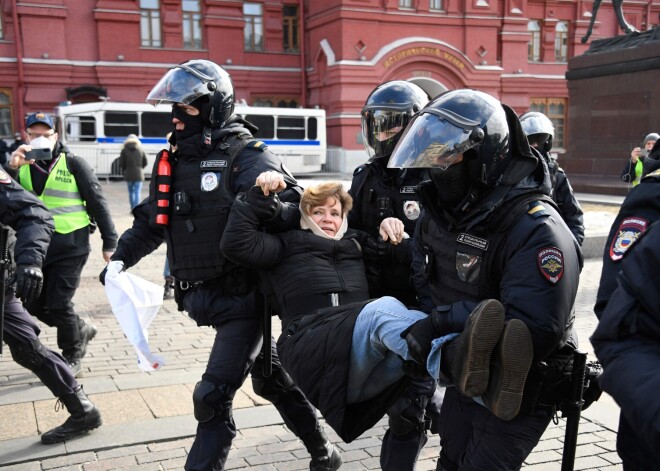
(347, 353)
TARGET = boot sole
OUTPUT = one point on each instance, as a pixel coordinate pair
(334, 463)
(54, 440)
(483, 336)
(515, 353)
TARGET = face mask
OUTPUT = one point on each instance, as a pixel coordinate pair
(452, 184)
(42, 142)
(193, 124)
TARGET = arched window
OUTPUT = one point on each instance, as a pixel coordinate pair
(561, 41)
(534, 46)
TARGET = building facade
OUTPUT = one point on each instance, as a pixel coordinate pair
(312, 53)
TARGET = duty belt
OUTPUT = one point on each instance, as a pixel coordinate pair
(306, 304)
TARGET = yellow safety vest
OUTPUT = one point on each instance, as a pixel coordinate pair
(60, 195)
(639, 168)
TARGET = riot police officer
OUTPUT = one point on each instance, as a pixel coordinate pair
(191, 193)
(489, 230)
(378, 193)
(540, 131)
(34, 227)
(616, 340)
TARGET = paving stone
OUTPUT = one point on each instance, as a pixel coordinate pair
(68, 460)
(161, 455)
(112, 463)
(22, 419)
(168, 401)
(123, 451)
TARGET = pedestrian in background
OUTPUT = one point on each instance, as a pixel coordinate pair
(131, 162)
(632, 172)
(70, 190)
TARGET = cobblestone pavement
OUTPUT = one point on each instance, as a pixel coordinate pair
(148, 422)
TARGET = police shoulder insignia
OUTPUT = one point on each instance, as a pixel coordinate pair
(359, 169)
(259, 145)
(537, 210)
(629, 231)
(4, 177)
(550, 261)
(655, 173)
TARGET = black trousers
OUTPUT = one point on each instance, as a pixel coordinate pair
(55, 307)
(236, 347)
(472, 437)
(20, 332)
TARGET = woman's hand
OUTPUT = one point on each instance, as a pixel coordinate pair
(392, 229)
(270, 181)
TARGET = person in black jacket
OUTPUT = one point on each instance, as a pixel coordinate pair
(378, 193)
(34, 226)
(539, 131)
(190, 196)
(345, 351)
(72, 193)
(490, 230)
(627, 295)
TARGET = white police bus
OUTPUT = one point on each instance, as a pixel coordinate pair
(96, 131)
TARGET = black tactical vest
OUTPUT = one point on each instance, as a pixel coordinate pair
(464, 265)
(200, 200)
(380, 200)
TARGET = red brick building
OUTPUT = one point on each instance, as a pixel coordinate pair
(325, 53)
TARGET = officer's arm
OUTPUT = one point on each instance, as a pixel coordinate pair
(627, 339)
(418, 269)
(357, 184)
(540, 265)
(242, 241)
(569, 206)
(27, 215)
(97, 206)
(141, 239)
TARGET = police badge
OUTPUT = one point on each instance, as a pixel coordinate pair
(209, 181)
(629, 231)
(551, 264)
(411, 209)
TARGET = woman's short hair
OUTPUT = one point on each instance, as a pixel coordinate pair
(317, 195)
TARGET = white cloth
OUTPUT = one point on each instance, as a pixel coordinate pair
(135, 303)
(306, 222)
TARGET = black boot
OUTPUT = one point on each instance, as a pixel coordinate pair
(325, 456)
(87, 333)
(84, 417)
(466, 359)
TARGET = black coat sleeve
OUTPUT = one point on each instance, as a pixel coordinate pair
(628, 172)
(27, 215)
(92, 193)
(141, 239)
(418, 279)
(569, 207)
(627, 339)
(244, 244)
(357, 186)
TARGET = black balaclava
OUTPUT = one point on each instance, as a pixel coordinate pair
(454, 183)
(194, 125)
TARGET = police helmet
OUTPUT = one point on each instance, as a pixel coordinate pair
(539, 130)
(187, 82)
(653, 136)
(387, 112)
(453, 123)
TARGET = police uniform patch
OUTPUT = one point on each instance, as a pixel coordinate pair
(629, 231)
(4, 177)
(411, 210)
(209, 181)
(213, 164)
(407, 190)
(473, 241)
(551, 264)
(536, 210)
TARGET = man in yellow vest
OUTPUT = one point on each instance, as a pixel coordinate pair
(69, 189)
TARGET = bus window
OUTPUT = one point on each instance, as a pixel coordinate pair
(311, 129)
(291, 128)
(120, 124)
(80, 128)
(156, 124)
(266, 125)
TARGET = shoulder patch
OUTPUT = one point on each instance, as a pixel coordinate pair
(359, 169)
(537, 210)
(4, 177)
(627, 234)
(550, 261)
(259, 145)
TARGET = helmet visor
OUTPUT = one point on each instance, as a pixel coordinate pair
(433, 142)
(381, 129)
(178, 86)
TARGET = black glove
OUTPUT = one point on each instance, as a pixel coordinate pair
(102, 275)
(266, 208)
(419, 337)
(384, 251)
(29, 281)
